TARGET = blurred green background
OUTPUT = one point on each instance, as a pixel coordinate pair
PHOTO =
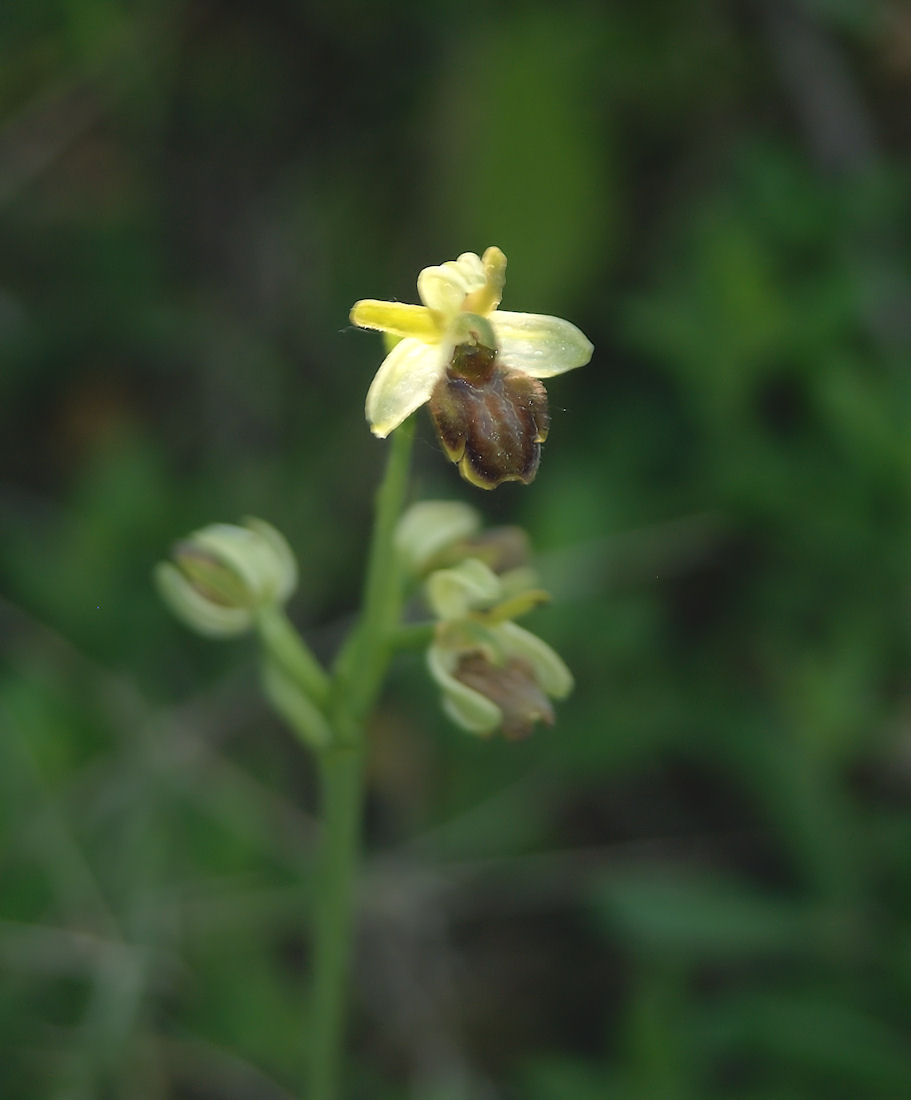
(698, 884)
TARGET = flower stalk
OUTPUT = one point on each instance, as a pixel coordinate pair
(357, 679)
(362, 662)
(341, 772)
(286, 648)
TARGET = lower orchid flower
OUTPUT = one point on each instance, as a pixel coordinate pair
(493, 674)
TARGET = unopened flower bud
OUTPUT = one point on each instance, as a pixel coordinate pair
(430, 529)
(222, 574)
(438, 534)
(503, 549)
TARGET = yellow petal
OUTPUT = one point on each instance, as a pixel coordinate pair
(472, 269)
(538, 345)
(399, 318)
(444, 288)
(488, 296)
(403, 383)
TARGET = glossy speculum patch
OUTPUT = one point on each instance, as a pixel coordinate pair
(491, 420)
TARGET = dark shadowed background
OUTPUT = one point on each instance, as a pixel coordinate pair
(698, 884)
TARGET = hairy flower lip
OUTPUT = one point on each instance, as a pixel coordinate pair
(533, 344)
(490, 420)
(512, 687)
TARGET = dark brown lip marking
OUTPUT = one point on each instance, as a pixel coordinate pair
(490, 419)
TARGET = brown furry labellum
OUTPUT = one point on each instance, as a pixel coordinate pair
(513, 687)
(491, 420)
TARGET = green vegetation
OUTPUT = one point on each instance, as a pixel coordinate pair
(697, 885)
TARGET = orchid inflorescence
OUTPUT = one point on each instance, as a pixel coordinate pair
(478, 368)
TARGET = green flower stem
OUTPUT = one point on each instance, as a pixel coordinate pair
(287, 648)
(341, 777)
(358, 677)
(362, 663)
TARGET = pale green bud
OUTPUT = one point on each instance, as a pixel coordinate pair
(430, 528)
(222, 574)
(505, 549)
